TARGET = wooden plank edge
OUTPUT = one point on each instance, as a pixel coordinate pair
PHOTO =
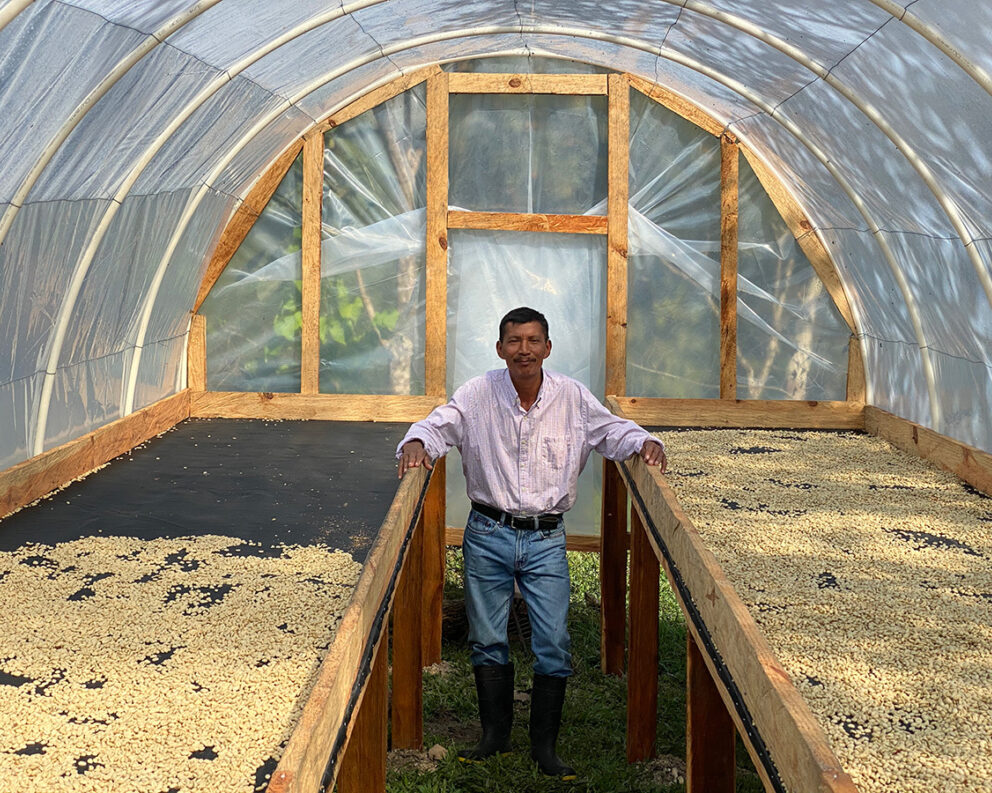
(320, 407)
(26, 482)
(312, 742)
(244, 218)
(564, 84)
(573, 542)
(757, 413)
(524, 221)
(376, 97)
(678, 104)
(972, 465)
(807, 762)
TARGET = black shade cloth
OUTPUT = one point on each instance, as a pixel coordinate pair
(267, 482)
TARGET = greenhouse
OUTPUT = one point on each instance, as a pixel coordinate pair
(244, 245)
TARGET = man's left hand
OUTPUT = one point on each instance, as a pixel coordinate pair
(653, 453)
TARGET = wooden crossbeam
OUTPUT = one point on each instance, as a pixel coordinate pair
(655, 412)
(568, 84)
(523, 221)
(326, 407)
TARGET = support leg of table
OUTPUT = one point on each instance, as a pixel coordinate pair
(642, 666)
(363, 766)
(407, 702)
(613, 571)
(710, 735)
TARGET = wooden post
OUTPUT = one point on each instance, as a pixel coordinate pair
(408, 702)
(642, 671)
(313, 181)
(728, 267)
(363, 765)
(616, 235)
(433, 566)
(856, 384)
(710, 736)
(613, 571)
(196, 354)
(435, 342)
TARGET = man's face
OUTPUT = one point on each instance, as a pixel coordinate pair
(524, 348)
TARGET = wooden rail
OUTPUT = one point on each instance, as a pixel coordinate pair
(341, 734)
(734, 679)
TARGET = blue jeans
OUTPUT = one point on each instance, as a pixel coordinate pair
(495, 556)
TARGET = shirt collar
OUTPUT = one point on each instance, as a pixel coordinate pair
(548, 385)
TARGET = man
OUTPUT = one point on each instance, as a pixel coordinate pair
(524, 434)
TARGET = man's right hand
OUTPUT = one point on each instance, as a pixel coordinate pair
(413, 455)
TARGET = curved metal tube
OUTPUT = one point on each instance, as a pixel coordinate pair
(83, 264)
(78, 113)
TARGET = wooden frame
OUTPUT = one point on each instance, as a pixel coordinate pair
(616, 241)
(196, 354)
(436, 336)
(523, 221)
(771, 414)
(35, 478)
(326, 407)
(332, 716)
(728, 267)
(565, 84)
(313, 185)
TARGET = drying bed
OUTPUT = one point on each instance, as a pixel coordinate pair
(165, 617)
(868, 571)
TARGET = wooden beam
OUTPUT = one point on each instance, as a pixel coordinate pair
(569, 84)
(642, 672)
(856, 382)
(678, 104)
(771, 414)
(973, 465)
(363, 765)
(796, 741)
(407, 707)
(313, 187)
(196, 354)
(433, 565)
(32, 479)
(244, 218)
(795, 218)
(616, 242)
(436, 332)
(313, 745)
(573, 542)
(613, 571)
(728, 267)
(521, 221)
(376, 97)
(710, 734)
(327, 407)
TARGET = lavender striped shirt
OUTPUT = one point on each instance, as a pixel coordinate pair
(525, 462)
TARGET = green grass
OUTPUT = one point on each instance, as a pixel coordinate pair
(594, 724)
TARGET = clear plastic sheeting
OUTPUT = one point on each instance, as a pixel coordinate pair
(799, 348)
(527, 153)
(84, 396)
(561, 275)
(163, 371)
(253, 321)
(673, 262)
(372, 302)
(16, 399)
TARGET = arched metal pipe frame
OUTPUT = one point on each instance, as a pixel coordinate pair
(180, 20)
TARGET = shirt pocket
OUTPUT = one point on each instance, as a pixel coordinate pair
(556, 453)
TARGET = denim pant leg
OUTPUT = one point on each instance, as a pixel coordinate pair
(489, 550)
(542, 574)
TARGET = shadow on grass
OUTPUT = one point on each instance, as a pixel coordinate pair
(594, 724)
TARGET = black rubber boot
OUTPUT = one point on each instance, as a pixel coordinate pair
(546, 702)
(494, 685)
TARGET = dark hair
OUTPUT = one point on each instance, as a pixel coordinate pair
(521, 315)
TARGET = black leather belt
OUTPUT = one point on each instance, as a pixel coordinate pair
(546, 522)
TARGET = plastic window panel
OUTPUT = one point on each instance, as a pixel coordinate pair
(254, 311)
(85, 396)
(802, 352)
(16, 399)
(895, 195)
(965, 392)
(230, 32)
(491, 272)
(51, 57)
(947, 292)
(161, 372)
(936, 107)
(895, 372)
(107, 143)
(35, 262)
(766, 71)
(527, 153)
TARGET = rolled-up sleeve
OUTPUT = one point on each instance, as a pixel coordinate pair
(442, 429)
(613, 437)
